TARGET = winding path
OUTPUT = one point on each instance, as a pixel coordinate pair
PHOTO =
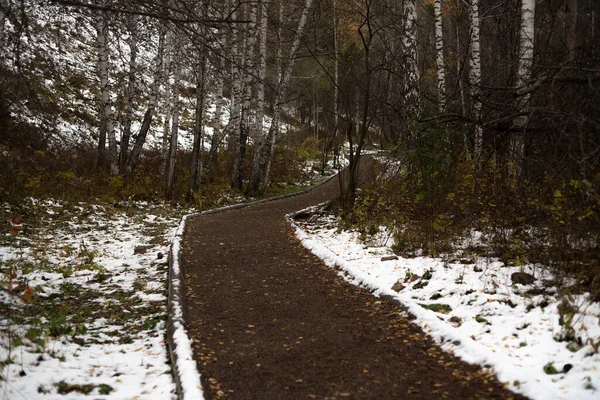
(270, 321)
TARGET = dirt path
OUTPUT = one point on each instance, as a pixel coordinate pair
(270, 321)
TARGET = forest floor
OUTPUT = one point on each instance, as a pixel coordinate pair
(268, 319)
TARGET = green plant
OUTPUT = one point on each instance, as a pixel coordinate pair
(550, 369)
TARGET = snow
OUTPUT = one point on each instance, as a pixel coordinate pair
(186, 365)
(118, 290)
(492, 322)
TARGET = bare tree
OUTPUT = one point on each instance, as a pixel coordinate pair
(132, 22)
(475, 77)
(526, 47)
(170, 173)
(107, 129)
(439, 47)
(411, 66)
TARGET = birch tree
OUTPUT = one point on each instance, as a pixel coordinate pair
(200, 73)
(526, 47)
(218, 73)
(475, 77)
(107, 129)
(154, 93)
(131, 87)
(259, 137)
(411, 80)
(284, 78)
(236, 105)
(168, 103)
(439, 47)
(170, 173)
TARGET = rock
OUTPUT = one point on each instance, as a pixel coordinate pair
(303, 215)
(159, 256)
(522, 278)
(389, 258)
(398, 287)
(573, 347)
(414, 278)
(141, 249)
(567, 368)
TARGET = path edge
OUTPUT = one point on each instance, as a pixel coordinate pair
(183, 365)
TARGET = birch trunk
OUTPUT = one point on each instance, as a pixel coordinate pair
(475, 77)
(174, 125)
(198, 127)
(411, 81)
(249, 68)
(236, 108)
(526, 47)
(439, 47)
(141, 139)
(258, 130)
(168, 105)
(218, 133)
(106, 118)
(130, 94)
(282, 91)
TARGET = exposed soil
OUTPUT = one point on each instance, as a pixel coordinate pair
(270, 321)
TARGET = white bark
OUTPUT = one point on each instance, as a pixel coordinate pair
(411, 81)
(236, 106)
(249, 55)
(258, 127)
(107, 130)
(168, 46)
(282, 89)
(526, 47)
(475, 77)
(131, 87)
(439, 47)
(175, 122)
(141, 139)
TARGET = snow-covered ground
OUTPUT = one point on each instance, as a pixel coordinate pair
(473, 309)
(88, 308)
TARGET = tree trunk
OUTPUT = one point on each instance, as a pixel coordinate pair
(282, 91)
(571, 28)
(130, 94)
(236, 108)
(168, 49)
(439, 46)
(198, 127)
(411, 80)
(106, 118)
(258, 130)
(475, 78)
(526, 47)
(175, 124)
(141, 139)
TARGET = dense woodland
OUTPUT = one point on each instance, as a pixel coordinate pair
(487, 110)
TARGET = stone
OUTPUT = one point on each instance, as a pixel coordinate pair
(398, 287)
(389, 258)
(573, 347)
(522, 278)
